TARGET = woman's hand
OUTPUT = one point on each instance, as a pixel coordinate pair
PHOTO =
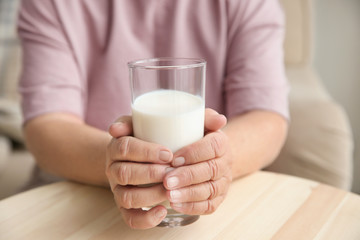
(203, 171)
(131, 162)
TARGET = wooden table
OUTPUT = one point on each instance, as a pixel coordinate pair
(260, 206)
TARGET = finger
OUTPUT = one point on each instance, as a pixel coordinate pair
(200, 192)
(198, 208)
(140, 219)
(193, 174)
(133, 149)
(121, 127)
(130, 173)
(137, 197)
(211, 146)
(213, 120)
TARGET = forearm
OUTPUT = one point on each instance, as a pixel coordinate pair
(256, 139)
(63, 145)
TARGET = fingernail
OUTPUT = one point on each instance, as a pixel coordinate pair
(169, 169)
(179, 161)
(172, 182)
(160, 213)
(115, 124)
(118, 123)
(165, 156)
(175, 195)
(176, 205)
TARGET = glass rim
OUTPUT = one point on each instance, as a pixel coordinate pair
(187, 63)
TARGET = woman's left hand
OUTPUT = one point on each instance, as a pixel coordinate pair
(202, 171)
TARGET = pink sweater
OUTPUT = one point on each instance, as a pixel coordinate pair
(76, 53)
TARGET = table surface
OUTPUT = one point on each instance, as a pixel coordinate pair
(262, 205)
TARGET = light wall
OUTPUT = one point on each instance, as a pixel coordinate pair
(337, 60)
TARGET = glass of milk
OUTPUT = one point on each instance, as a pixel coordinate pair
(168, 105)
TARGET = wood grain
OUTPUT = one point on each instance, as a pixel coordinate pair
(260, 206)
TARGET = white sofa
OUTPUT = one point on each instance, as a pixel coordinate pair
(320, 143)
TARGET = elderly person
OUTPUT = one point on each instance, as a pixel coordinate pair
(75, 84)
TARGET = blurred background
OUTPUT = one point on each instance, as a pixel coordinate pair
(336, 59)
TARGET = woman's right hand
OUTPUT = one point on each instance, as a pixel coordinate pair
(131, 162)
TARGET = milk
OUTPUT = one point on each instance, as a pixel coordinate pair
(171, 118)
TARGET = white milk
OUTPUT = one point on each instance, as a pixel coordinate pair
(168, 117)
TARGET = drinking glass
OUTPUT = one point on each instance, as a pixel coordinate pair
(168, 105)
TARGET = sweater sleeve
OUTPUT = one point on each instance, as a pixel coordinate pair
(50, 79)
(255, 77)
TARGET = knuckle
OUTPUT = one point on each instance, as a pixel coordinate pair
(124, 147)
(153, 172)
(129, 220)
(193, 153)
(131, 223)
(125, 199)
(148, 154)
(191, 207)
(214, 190)
(217, 144)
(188, 175)
(210, 207)
(124, 175)
(214, 169)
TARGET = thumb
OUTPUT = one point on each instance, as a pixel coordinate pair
(213, 120)
(121, 127)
